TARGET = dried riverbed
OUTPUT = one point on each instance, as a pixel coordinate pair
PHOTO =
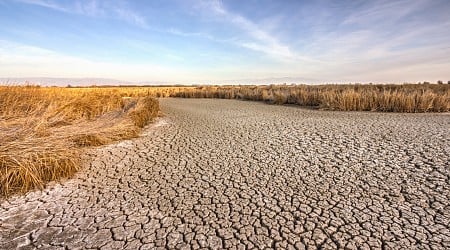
(236, 174)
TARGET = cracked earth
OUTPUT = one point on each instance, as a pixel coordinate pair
(235, 174)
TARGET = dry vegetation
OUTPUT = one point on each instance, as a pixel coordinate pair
(383, 98)
(43, 130)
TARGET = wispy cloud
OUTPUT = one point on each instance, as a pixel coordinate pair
(94, 8)
(131, 17)
(178, 32)
(381, 36)
(38, 62)
(44, 3)
(262, 40)
(382, 11)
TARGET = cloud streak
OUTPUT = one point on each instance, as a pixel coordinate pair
(39, 62)
(45, 4)
(381, 11)
(94, 8)
(262, 41)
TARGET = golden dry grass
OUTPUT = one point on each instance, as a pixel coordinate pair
(43, 130)
(382, 98)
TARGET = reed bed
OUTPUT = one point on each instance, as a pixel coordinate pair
(43, 131)
(411, 98)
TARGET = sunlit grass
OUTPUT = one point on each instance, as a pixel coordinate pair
(383, 98)
(43, 130)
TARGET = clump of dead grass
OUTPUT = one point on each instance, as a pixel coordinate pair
(43, 130)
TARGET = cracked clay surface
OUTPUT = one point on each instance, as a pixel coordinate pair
(234, 174)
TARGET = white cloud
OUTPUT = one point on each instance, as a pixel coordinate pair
(262, 41)
(18, 60)
(383, 41)
(131, 17)
(87, 7)
(45, 3)
(381, 11)
(175, 31)
(94, 8)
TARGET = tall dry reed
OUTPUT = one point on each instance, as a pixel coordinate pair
(382, 98)
(43, 130)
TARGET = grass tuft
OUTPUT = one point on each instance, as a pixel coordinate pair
(43, 131)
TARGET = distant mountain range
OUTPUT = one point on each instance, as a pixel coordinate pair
(62, 82)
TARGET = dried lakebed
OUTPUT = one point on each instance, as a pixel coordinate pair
(236, 174)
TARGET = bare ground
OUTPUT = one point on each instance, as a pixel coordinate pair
(235, 174)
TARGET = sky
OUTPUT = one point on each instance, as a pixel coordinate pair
(227, 41)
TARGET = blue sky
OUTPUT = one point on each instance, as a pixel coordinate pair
(194, 41)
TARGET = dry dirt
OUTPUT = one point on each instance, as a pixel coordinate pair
(236, 174)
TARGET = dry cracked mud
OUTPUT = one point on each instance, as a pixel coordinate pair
(235, 174)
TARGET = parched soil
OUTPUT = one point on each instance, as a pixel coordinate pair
(236, 174)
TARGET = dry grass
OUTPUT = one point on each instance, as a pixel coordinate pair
(382, 98)
(43, 130)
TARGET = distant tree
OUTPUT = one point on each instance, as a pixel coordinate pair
(426, 82)
(69, 86)
(448, 82)
(439, 82)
